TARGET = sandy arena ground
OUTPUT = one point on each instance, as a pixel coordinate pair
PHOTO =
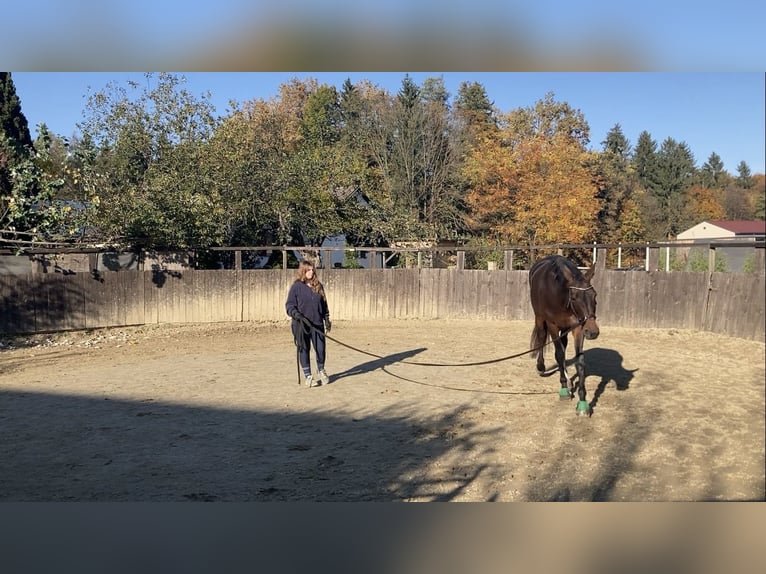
(215, 413)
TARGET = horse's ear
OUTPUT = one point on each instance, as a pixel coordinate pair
(590, 272)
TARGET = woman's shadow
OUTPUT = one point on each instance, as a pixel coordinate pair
(379, 363)
(607, 364)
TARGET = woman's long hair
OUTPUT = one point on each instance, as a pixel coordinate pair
(314, 283)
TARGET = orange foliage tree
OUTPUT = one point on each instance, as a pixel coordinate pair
(537, 191)
(704, 203)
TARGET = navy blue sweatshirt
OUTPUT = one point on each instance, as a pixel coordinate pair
(311, 305)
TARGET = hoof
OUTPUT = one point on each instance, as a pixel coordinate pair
(583, 408)
(564, 394)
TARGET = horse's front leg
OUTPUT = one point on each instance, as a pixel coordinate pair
(560, 346)
(583, 408)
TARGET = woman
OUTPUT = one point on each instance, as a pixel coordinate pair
(307, 305)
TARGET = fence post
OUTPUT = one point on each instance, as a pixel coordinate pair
(284, 258)
(237, 260)
(601, 258)
(460, 260)
(760, 255)
(710, 258)
(652, 258)
(508, 259)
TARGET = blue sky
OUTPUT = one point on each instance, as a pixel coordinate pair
(711, 112)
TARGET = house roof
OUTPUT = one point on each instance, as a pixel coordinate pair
(343, 193)
(742, 227)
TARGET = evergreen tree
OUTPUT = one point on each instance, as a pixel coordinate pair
(13, 123)
(613, 178)
(409, 94)
(645, 160)
(617, 144)
(675, 172)
(475, 110)
(712, 174)
(744, 178)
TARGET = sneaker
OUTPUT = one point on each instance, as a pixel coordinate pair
(309, 381)
(323, 376)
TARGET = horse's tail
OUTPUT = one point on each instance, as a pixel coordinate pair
(538, 340)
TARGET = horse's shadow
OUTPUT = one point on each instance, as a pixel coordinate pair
(379, 363)
(607, 364)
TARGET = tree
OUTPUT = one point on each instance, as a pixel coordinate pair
(410, 143)
(744, 178)
(615, 182)
(147, 185)
(433, 90)
(712, 173)
(645, 160)
(28, 182)
(617, 145)
(531, 182)
(548, 119)
(703, 203)
(475, 108)
(674, 174)
(13, 122)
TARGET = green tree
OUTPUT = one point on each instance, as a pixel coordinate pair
(674, 175)
(475, 108)
(645, 160)
(712, 173)
(13, 122)
(147, 186)
(744, 177)
(28, 182)
(614, 178)
(411, 144)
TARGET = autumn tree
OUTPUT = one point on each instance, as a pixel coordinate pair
(703, 203)
(531, 184)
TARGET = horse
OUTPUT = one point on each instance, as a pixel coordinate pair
(563, 301)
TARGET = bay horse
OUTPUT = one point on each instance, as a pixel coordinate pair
(563, 301)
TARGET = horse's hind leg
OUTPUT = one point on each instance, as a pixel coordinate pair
(539, 338)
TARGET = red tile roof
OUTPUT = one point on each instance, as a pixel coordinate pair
(742, 227)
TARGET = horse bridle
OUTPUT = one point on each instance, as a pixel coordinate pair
(569, 304)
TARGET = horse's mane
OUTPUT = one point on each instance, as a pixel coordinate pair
(557, 266)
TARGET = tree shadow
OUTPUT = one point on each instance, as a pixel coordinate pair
(82, 448)
(42, 302)
(380, 363)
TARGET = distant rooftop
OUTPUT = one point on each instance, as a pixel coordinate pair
(742, 227)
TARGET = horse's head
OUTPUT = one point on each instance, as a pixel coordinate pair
(582, 301)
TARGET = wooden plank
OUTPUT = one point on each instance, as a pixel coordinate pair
(17, 303)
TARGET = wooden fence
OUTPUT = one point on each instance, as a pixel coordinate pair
(726, 303)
